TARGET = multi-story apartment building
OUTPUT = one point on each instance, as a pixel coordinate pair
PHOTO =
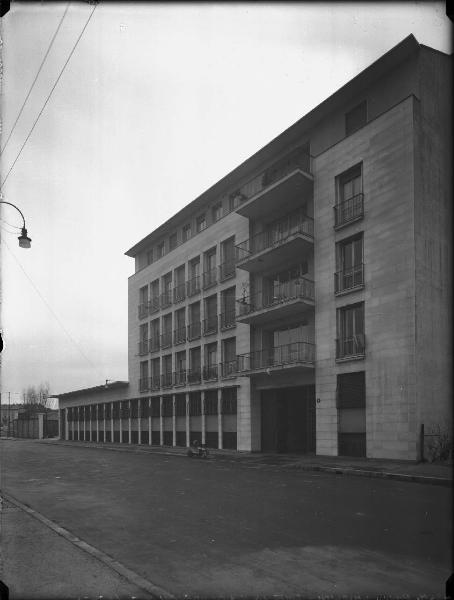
(303, 302)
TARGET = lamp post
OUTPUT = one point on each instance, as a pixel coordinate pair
(24, 240)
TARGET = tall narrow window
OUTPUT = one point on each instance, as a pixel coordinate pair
(155, 340)
(228, 302)
(229, 357)
(186, 232)
(180, 326)
(143, 343)
(166, 336)
(179, 291)
(227, 258)
(350, 327)
(166, 295)
(350, 268)
(160, 250)
(156, 374)
(143, 302)
(173, 241)
(154, 296)
(201, 223)
(209, 274)
(194, 365)
(210, 370)
(350, 202)
(210, 324)
(180, 368)
(143, 381)
(194, 321)
(351, 405)
(166, 370)
(216, 212)
(194, 276)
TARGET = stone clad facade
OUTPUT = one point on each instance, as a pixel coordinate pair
(303, 303)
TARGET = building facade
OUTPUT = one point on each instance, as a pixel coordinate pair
(303, 303)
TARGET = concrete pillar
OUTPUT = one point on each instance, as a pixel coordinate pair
(66, 425)
(40, 426)
(203, 419)
(174, 423)
(129, 422)
(120, 419)
(188, 432)
(89, 424)
(161, 423)
(78, 423)
(220, 418)
(97, 422)
(111, 422)
(149, 421)
(104, 422)
(139, 421)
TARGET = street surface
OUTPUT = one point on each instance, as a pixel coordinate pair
(218, 528)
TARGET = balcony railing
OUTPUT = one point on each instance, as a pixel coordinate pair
(350, 347)
(166, 339)
(193, 286)
(227, 319)
(210, 372)
(166, 380)
(227, 270)
(294, 289)
(179, 292)
(179, 377)
(284, 166)
(143, 310)
(210, 325)
(349, 210)
(143, 347)
(277, 235)
(295, 353)
(166, 299)
(209, 278)
(229, 368)
(155, 383)
(144, 384)
(154, 344)
(348, 279)
(154, 304)
(194, 375)
(179, 335)
(194, 330)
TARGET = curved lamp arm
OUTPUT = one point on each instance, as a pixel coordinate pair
(24, 240)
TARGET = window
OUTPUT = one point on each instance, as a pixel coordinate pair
(166, 296)
(155, 373)
(350, 205)
(194, 365)
(351, 404)
(194, 276)
(350, 328)
(356, 118)
(143, 383)
(229, 357)
(167, 406)
(143, 343)
(166, 337)
(201, 223)
(154, 296)
(211, 402)
(143, 302)
(179, 291)
(154, 335)
(216, 212)
(194, 321)
(160, 250)
(180, 326)
(173, 241)
(228, 258)
(229, 402)
(195, 404)
(186, 232)
(167, 370)
(228, 301)
(210, 370)
(349, 261)
(150, 256)
(155, 407)
(180, 405)
(210, 324)
(209, 275)
(180, 368)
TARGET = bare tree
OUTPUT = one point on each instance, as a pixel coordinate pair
(37, 396)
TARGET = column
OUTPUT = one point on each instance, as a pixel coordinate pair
(129, 422)
(66, 425)
(139, 421)
(149, 421)
(188, 432)
(161, 423)
(174, 423)
(78, 423)
(120, 420)
(97, 422)
(89, 421)
(202, 395)
(111, 422)
(220, 418)
(84, 421)
(104, 421)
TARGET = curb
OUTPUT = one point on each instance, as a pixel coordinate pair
(424, 479)
(130, 576)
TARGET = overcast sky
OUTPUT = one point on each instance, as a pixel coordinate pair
(157, 102)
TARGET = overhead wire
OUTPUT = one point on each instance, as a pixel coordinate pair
(36, 77)
(49, 307)
(48, 97)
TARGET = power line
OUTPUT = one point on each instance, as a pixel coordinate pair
(49, 307)
(36, 77)
(48, 97)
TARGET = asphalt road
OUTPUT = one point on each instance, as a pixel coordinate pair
(212, 527)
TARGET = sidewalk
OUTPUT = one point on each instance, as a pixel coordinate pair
(428, 473)
(41, 560)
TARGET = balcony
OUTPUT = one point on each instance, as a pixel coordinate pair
(179, 292)
(155, 383)
(154, 344)
(349, 279)
(350, 348)
(179, 335)
(194, 376)
(277, 245)
(227, 319)
(284, 185)
(194, 331)
(296, 355)
(227, 270)
(166, 339)
(209, 278)
(179, 378)
(154, 305)
(348, 211)
(210, 372)
(210, 325)
(144, 384)
(143, 310)
(193, 286)
(143, 347)
(229, 368)
(165, 299)
(286, 300)
(167, 380)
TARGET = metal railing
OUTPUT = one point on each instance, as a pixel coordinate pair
(227, 319)
(300, 288)
(155, 383)
(295, 353)
(167, 380)
(209, 278)
(351, 346)
(229, 368)
(179, 292)
(210, 325)
(143, 347)
(179, 377)
(143, 310)
(286, 165)
(210, 372)
(348, 279)
(349, 210)
(277, 235)
(194, 330)
(179, 335)
(226, 270)
(193, 286)
(195, 375)
(166, 339)
(165, 299)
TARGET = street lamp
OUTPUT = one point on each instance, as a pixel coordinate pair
(24, 240)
